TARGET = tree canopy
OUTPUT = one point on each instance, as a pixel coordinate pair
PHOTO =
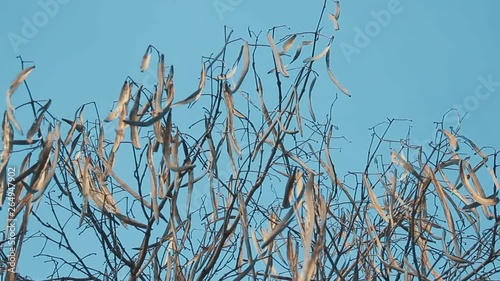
(247, 187)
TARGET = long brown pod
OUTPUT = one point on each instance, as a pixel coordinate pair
(124, 98)
(133, 116)
(332, 77)
(277, 59)
(244, 71)
(13, 87)
(38, 121)
(154, 184)
(197, 94)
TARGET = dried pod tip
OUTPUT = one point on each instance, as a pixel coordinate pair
(146, 59)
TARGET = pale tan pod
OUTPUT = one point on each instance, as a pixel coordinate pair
(150, 121)
(271, 129)
(373, 199)
(451, 139)
(311, 111)
(240, 262)
(400, 161)
(203, 76)
(157, 129)
(297, 109)
(12, 119)
(288, 44)
(277, 58)
(442, 196)
(335, 22)
(100, 150)
(228, 98)
(244, 70)
(133, 115)
(85, 188)
(197, 94)
(190, 186)
(13, 87)
(265, 112)
(120, 131)
(229, 74)
(310, 212)
(36, 124)
(297, 53)
(154, 185)
(291, 255)
(332, 77)
(19, 79)
(337, 10)
(495, 180)
(327, 59)
(43, 160)
(277, 229)
(337, 83)
(318, 56)
(174, 156)
(465, 181)
(124, 98)
(287, 198)
(299, 50)
(170, 88)
(475, 147)
(456, 259)
(146, 59)
(239, 114)
(308, 227)
(233, 70)
(71, 130)
(167, 137)
(160, 85)
(477, 195)
(298, 182)
(49, 171)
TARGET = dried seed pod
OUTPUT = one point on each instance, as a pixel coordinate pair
(277, 58)
(318, 56)
(146, 59)
(288, 44)
(13, 86)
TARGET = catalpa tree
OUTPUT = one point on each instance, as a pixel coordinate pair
(246, 187)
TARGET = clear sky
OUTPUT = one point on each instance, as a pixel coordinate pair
(418, 64)
(399, 59)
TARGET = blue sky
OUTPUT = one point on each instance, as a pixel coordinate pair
(427, 58)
